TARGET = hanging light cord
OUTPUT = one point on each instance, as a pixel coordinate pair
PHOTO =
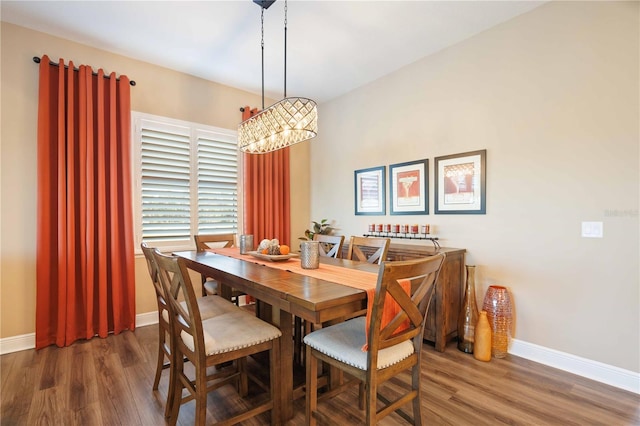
(285, 48)
(262, 49)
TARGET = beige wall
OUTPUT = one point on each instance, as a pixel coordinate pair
(158, 91)
(553, 97)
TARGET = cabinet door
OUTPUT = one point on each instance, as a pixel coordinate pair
(442, 320)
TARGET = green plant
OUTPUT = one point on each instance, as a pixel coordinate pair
(323, 228)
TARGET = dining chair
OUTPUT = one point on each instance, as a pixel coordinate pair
(330, 245)
(214, 342)
(368, 249)
(209, 241)
(209, 307)
(394, 343)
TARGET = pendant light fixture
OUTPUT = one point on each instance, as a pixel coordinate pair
(284, 123)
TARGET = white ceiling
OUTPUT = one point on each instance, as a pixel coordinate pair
(333, 46)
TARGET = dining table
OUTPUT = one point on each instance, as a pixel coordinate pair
(319, 296)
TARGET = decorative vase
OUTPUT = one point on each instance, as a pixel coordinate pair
(482, 341)
(497, 303)
(310, 255)
(468, 314)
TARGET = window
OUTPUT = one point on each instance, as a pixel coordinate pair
(186, 178)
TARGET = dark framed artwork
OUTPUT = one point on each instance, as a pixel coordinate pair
(370, 196)
(408, 187)
(461, 183)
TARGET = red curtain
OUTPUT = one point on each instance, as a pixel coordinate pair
(85, 258)
(266, 193)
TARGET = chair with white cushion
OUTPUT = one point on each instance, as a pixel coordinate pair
(394, 345)
(209, 306)
(330, 246)
(212, 342)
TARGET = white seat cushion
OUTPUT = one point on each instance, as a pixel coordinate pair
(344, 342)
(211, 286)
(233, 330)
(210, 306)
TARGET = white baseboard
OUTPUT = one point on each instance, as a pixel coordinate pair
(17, 343)
(594, 370)
(149, 318)
(28, 341)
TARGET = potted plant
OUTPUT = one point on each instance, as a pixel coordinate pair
(323, 228)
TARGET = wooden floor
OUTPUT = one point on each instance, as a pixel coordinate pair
(108, 382)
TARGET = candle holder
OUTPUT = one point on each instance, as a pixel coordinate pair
(405, 236)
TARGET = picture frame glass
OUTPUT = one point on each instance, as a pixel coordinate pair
(461, 183)
(370, 191)
(408, 184)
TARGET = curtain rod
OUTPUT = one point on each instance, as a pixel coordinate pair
(37, 61)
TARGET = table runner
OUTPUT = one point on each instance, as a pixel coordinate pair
(355, 278)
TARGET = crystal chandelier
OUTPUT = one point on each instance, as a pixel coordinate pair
(284, 123)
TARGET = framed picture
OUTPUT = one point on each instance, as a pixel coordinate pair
(461, 183)
(370, 191)
(408, 187)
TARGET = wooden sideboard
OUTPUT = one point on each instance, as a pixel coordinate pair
(442, 319)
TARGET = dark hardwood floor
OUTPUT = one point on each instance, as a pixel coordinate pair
(108, 382)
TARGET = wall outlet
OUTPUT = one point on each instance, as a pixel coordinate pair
(592, 229)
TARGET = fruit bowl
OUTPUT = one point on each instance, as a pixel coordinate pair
(273, 257)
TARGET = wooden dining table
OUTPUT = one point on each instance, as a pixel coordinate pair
(289, 294)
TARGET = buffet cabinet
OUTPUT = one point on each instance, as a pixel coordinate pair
(442, 318)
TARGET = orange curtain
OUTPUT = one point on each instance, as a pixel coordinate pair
(266, 193)
(85, 258)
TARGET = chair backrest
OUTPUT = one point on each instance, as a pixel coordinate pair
(186, 318)
(330, 245)
(205, 242)
(422, 274)
(380, 248)
(155, 279)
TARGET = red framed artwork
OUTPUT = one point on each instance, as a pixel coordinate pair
(409, 188)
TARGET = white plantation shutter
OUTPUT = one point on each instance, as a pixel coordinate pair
(165, 174)
(186, 181)
(217, 183)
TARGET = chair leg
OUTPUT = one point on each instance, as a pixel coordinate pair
(201, 396)
(171, 391)
(415, 386)
(174, 398)
(370, 402)
(243, 383)
(274, 373)
(160, 363)
(311, 392)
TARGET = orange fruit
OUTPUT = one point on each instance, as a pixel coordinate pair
(284, 249)
(265, 251)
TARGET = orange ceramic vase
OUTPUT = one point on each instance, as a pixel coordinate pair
(482, 343)
(497, 303)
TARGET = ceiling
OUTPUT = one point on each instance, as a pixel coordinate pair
(333, 47)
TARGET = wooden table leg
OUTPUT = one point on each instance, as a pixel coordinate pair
(286, 365)
(225, 290)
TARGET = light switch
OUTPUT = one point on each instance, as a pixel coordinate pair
(592, 229)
